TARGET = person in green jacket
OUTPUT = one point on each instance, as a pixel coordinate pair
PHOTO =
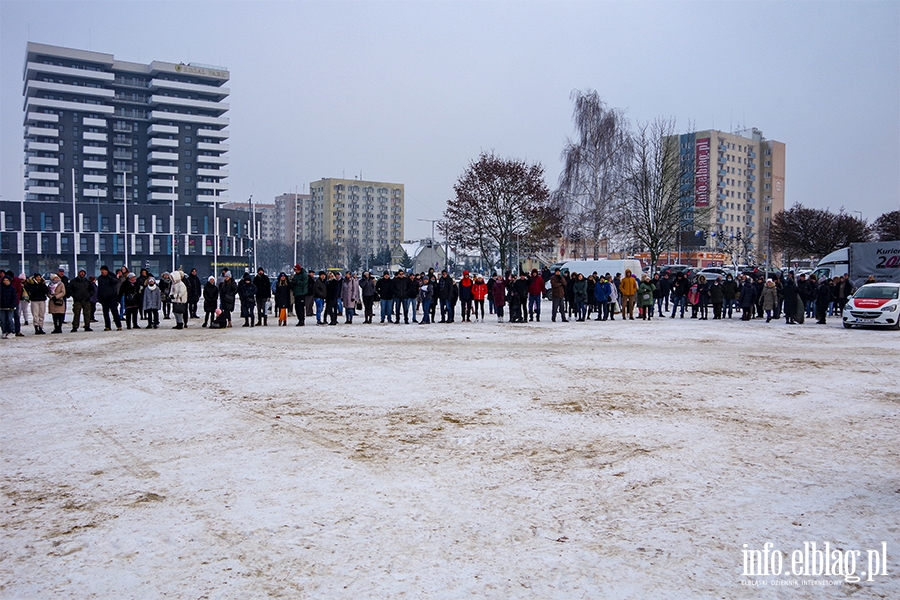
(645, 297)
(300, 287)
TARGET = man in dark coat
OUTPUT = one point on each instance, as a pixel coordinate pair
(108, 296)
(81, 291)
(210, 300)
(824, 296)
(195, 292)
(263, 294)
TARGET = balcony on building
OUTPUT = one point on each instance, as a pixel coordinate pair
(157, 155)
(162, 143)
(162, 170)
(213, 133)
(722, 160)
(161, 115)
(33, 68)
(722, 172)
(47, 132)
(161, 196)
(40, 117)
(212, 199)
(43, 160)
(212, 105)
(43, 175)
(216, 160)
(720, 183)
(95, 137)
(722, 147)
(45, 190)
(220, 92)
(123, 127)
(214, 147)
(120, 140)
(99, 165)
(32, 87)
(95, 179)
(203, 172)
(208, 185)
(750, 211)
(119, 154)
(164, 129)
(95, 150)
(32, 103)
(751, 165)
(164, 183)
(751, 177)
(42, 147)
(94, 193)
(751, 153)
(720, 196)
(93, 122)
(751, 189)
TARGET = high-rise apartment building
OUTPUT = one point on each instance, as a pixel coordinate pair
(736, 181)
(351, 211)
(123, 161)
(156, 131)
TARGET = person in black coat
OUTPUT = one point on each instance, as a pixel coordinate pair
(195, 292)
(227, 293)
(824, 296)
(108, 297)
(282, 299)
(263, 293)
(790, 298)
(384, 287)
(210, 300)
(247, 294)
(130, 294)
(332, 293)
(747, 300)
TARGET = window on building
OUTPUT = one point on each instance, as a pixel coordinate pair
(187, 140)
(104, 224)
(188, 153)
(83, 244)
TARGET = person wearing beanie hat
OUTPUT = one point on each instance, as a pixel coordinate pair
(227, 294)
(152, 302)
(129, 293)
(57, 308)
(210, 299)
(81, 290)
(179, 300)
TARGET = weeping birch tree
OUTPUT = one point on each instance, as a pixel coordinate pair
(594, 171)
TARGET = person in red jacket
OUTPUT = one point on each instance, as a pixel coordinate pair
(535, 292)
(479, 293)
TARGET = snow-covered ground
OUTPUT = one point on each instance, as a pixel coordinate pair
(546, 460)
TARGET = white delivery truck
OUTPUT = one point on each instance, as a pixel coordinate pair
(601, 266)
(859, 260)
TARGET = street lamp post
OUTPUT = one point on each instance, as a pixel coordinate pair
(74, 227)
(125, 214)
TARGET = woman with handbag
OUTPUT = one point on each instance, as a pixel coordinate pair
(57, 308)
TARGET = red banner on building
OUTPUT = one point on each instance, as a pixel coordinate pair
(701, 173)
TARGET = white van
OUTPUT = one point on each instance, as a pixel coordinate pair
(602, 266)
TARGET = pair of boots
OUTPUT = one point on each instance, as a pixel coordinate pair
(262, 321)
(248, 322)
(38, 330)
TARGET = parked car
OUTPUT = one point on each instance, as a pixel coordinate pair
(874, 304)
(712, 272)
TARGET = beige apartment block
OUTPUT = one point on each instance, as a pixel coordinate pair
(741, 176)
(352, 211)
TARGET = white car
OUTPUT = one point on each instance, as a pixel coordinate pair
(874, 304)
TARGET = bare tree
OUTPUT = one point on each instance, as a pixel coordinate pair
(593, 174)
(500, 203)
(650, 206)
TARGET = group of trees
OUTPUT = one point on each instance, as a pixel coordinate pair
(617, 184)
(627, 187)
(802, 232)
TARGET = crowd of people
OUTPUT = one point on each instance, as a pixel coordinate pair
(140, 300)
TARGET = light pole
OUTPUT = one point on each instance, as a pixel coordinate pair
(74, 227)
(22, 226)
(253, 233)
(295, 225)
(172, 226)
(125, 211)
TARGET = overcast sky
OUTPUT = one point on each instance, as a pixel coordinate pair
(410, 92)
